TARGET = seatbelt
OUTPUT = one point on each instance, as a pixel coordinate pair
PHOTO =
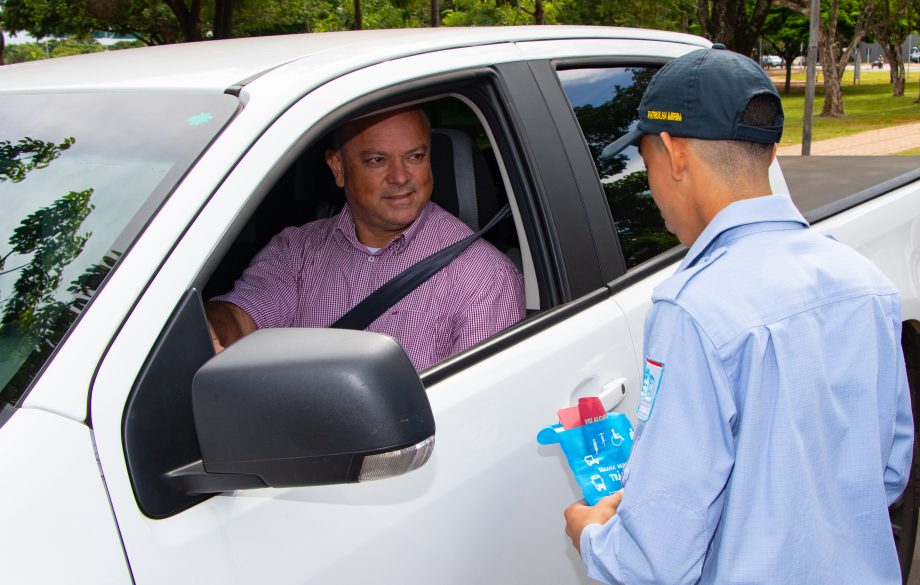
(367, 311)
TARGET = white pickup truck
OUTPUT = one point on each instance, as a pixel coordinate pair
(136, 183)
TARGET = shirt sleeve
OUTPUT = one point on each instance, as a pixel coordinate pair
(267, 289)
(897, 470)
(497, 303)
(680, 464)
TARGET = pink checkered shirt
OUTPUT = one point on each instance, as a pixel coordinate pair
(309, 276)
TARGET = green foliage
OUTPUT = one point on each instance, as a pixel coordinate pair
(150, 20)
(68, 47)
(675, 15)
(612, 119)
(642, 232)
(23, 52)
(786, 30)
(34, 318)
(126, 45)
(20, 53)
(498, 12)
(287, 16)
(27, 154)
(43, 18)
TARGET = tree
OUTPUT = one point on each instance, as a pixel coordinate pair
(728, 22)
(27, 154)
(435, 13)
(890, 26)
(223, 19)
(155, 22)
(149, 20)
(837, 24)
(673, 15)
(786, 31)
(46, 241)
(189, 17)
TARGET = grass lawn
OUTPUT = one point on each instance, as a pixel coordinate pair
(868, 106)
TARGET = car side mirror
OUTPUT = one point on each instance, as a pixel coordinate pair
(300, 407)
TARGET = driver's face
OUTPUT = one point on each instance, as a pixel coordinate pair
(385, 170)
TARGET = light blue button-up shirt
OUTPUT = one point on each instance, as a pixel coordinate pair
(774, 420)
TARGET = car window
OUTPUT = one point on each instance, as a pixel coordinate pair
(606, 101)
(467, 184)
(79, 177)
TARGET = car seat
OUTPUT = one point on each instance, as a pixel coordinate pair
(464, 185)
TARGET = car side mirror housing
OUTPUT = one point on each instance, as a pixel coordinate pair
(300, 407)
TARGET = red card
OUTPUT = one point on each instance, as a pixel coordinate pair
(591, 409)
(569, 417)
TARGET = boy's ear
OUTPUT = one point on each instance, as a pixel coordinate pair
(676, 149)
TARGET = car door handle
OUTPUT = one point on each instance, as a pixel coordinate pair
(611, 393)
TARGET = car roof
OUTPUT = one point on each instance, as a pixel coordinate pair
(219, 65)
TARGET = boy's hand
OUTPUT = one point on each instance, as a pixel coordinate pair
(579, 515)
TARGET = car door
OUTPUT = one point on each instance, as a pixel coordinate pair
(487, 506)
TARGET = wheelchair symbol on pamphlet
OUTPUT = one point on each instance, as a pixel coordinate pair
(615, 439)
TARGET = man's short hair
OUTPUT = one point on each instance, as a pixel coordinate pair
(729, 158)
(349, 129)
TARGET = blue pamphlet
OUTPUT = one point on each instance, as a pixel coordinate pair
(597, 453)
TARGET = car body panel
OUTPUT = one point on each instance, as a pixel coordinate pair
(57, 522)
(218, 66)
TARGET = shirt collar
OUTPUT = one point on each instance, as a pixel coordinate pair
(757, 213)
(345, 226)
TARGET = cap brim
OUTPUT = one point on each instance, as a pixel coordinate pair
(631, 138)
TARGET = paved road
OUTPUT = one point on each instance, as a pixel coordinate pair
(873, 142)
(816, 181)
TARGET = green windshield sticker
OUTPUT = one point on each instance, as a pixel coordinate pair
(200, 118)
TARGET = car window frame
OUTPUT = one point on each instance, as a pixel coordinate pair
(615, 270)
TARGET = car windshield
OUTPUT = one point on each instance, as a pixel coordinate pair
(80, 176)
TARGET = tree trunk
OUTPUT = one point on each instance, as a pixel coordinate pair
(890, 31)
(189, 18)
(727, 22)
(358, 23)
(435, 13)
(833, 61)
(223, 19)
(788, 87)
(896, 72)
(538, 12)
(833, 95)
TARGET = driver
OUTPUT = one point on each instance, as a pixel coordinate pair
(311, 275)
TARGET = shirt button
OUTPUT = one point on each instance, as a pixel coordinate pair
(371, 258)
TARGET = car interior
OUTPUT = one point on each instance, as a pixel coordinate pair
(467, 180)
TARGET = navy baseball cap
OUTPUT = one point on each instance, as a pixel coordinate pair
(703, 94)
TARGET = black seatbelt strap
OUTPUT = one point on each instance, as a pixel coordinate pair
(376, 303)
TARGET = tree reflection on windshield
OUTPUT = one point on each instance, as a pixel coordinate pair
(606, 103)
(46, 241)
